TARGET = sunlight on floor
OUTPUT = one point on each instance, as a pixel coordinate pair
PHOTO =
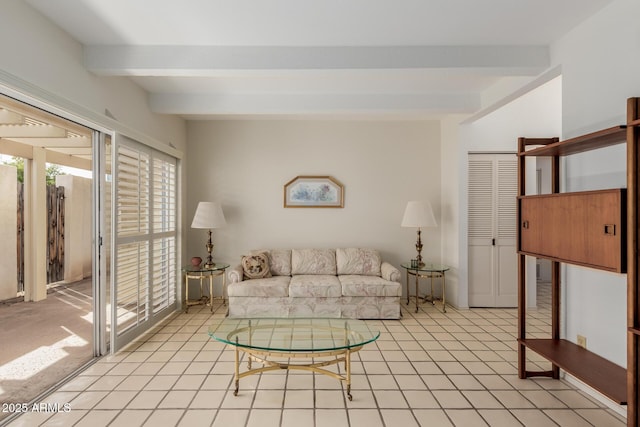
(35, 361)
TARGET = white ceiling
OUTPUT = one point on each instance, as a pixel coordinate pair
(412, 58)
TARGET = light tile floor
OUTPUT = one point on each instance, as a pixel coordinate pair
(429, 369)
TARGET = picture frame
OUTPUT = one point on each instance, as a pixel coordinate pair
(311, 191)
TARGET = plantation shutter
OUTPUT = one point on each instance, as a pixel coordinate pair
(164, 227)
(146, 238)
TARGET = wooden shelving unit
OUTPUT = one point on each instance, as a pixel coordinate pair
(603, 375)
(554, 241)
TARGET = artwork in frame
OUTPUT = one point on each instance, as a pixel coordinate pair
(313, 192)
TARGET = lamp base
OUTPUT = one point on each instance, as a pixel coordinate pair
(419, 249)
(209, 246)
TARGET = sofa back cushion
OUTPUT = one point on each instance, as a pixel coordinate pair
(280, 262)
(313, 261)
(365, 262)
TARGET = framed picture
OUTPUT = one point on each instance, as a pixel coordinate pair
(313, 192)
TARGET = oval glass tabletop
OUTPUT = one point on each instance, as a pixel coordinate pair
(294, 334)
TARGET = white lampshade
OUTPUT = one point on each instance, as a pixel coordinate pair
(418, 214)
(208, 215)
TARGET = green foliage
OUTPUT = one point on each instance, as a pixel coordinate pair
(51, 172)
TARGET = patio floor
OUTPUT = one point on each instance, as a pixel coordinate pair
(44, 341)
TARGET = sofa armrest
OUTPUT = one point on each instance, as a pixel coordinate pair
(235, 274)
(389, 272)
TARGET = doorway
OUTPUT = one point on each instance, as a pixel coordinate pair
(492, 190)
(47, 280)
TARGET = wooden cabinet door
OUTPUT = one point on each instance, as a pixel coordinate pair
(586, 228)
(531, 224)
(605, 227)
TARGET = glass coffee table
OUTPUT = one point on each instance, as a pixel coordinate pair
(308, 344)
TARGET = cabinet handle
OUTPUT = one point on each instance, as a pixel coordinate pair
(525, 224)
(610, 229)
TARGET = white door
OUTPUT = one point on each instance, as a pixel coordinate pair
(492, 224)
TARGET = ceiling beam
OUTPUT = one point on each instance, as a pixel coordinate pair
(10, 118)
(74, 151)
(15, 149)
(26, 110)
(296, 104)
(69, 142)
(32, 131)
(68, 160)
(213, 60)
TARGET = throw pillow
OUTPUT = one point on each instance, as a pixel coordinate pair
(256, 266)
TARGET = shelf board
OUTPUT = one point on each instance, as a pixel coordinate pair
(580, 144)
(622, 269)
(604, 376)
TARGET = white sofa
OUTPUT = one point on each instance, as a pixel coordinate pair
(349, 283)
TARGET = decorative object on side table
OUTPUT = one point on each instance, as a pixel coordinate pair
(418, 214)
(209, 215)
(313, 192)
(196, 261)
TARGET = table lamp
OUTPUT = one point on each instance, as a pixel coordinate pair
(418, 214)
(209, 215)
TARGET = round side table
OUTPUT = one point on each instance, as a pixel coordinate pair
(431, 271)
(201, 273)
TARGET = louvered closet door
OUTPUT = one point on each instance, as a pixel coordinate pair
(492, 224)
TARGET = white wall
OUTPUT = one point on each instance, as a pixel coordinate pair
(77, 226)
(535, 114)
(450, 211)
(601, 69)
(244, 165)
(38, 52)
(8, 232)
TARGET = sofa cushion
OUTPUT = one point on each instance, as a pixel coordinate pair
(256, 266)
(313, 261)
(314, 285)
(280, 262)
(358, 261)
(277, 286)
(358, 285)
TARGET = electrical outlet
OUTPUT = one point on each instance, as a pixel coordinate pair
(582, 341)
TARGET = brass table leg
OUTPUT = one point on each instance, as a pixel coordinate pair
(444, 294)
(237, 370)
(224, 287)
(433, 298)
(186, 293)
(417, 278)
(407, 287)
(348, 380)
(211, 291)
